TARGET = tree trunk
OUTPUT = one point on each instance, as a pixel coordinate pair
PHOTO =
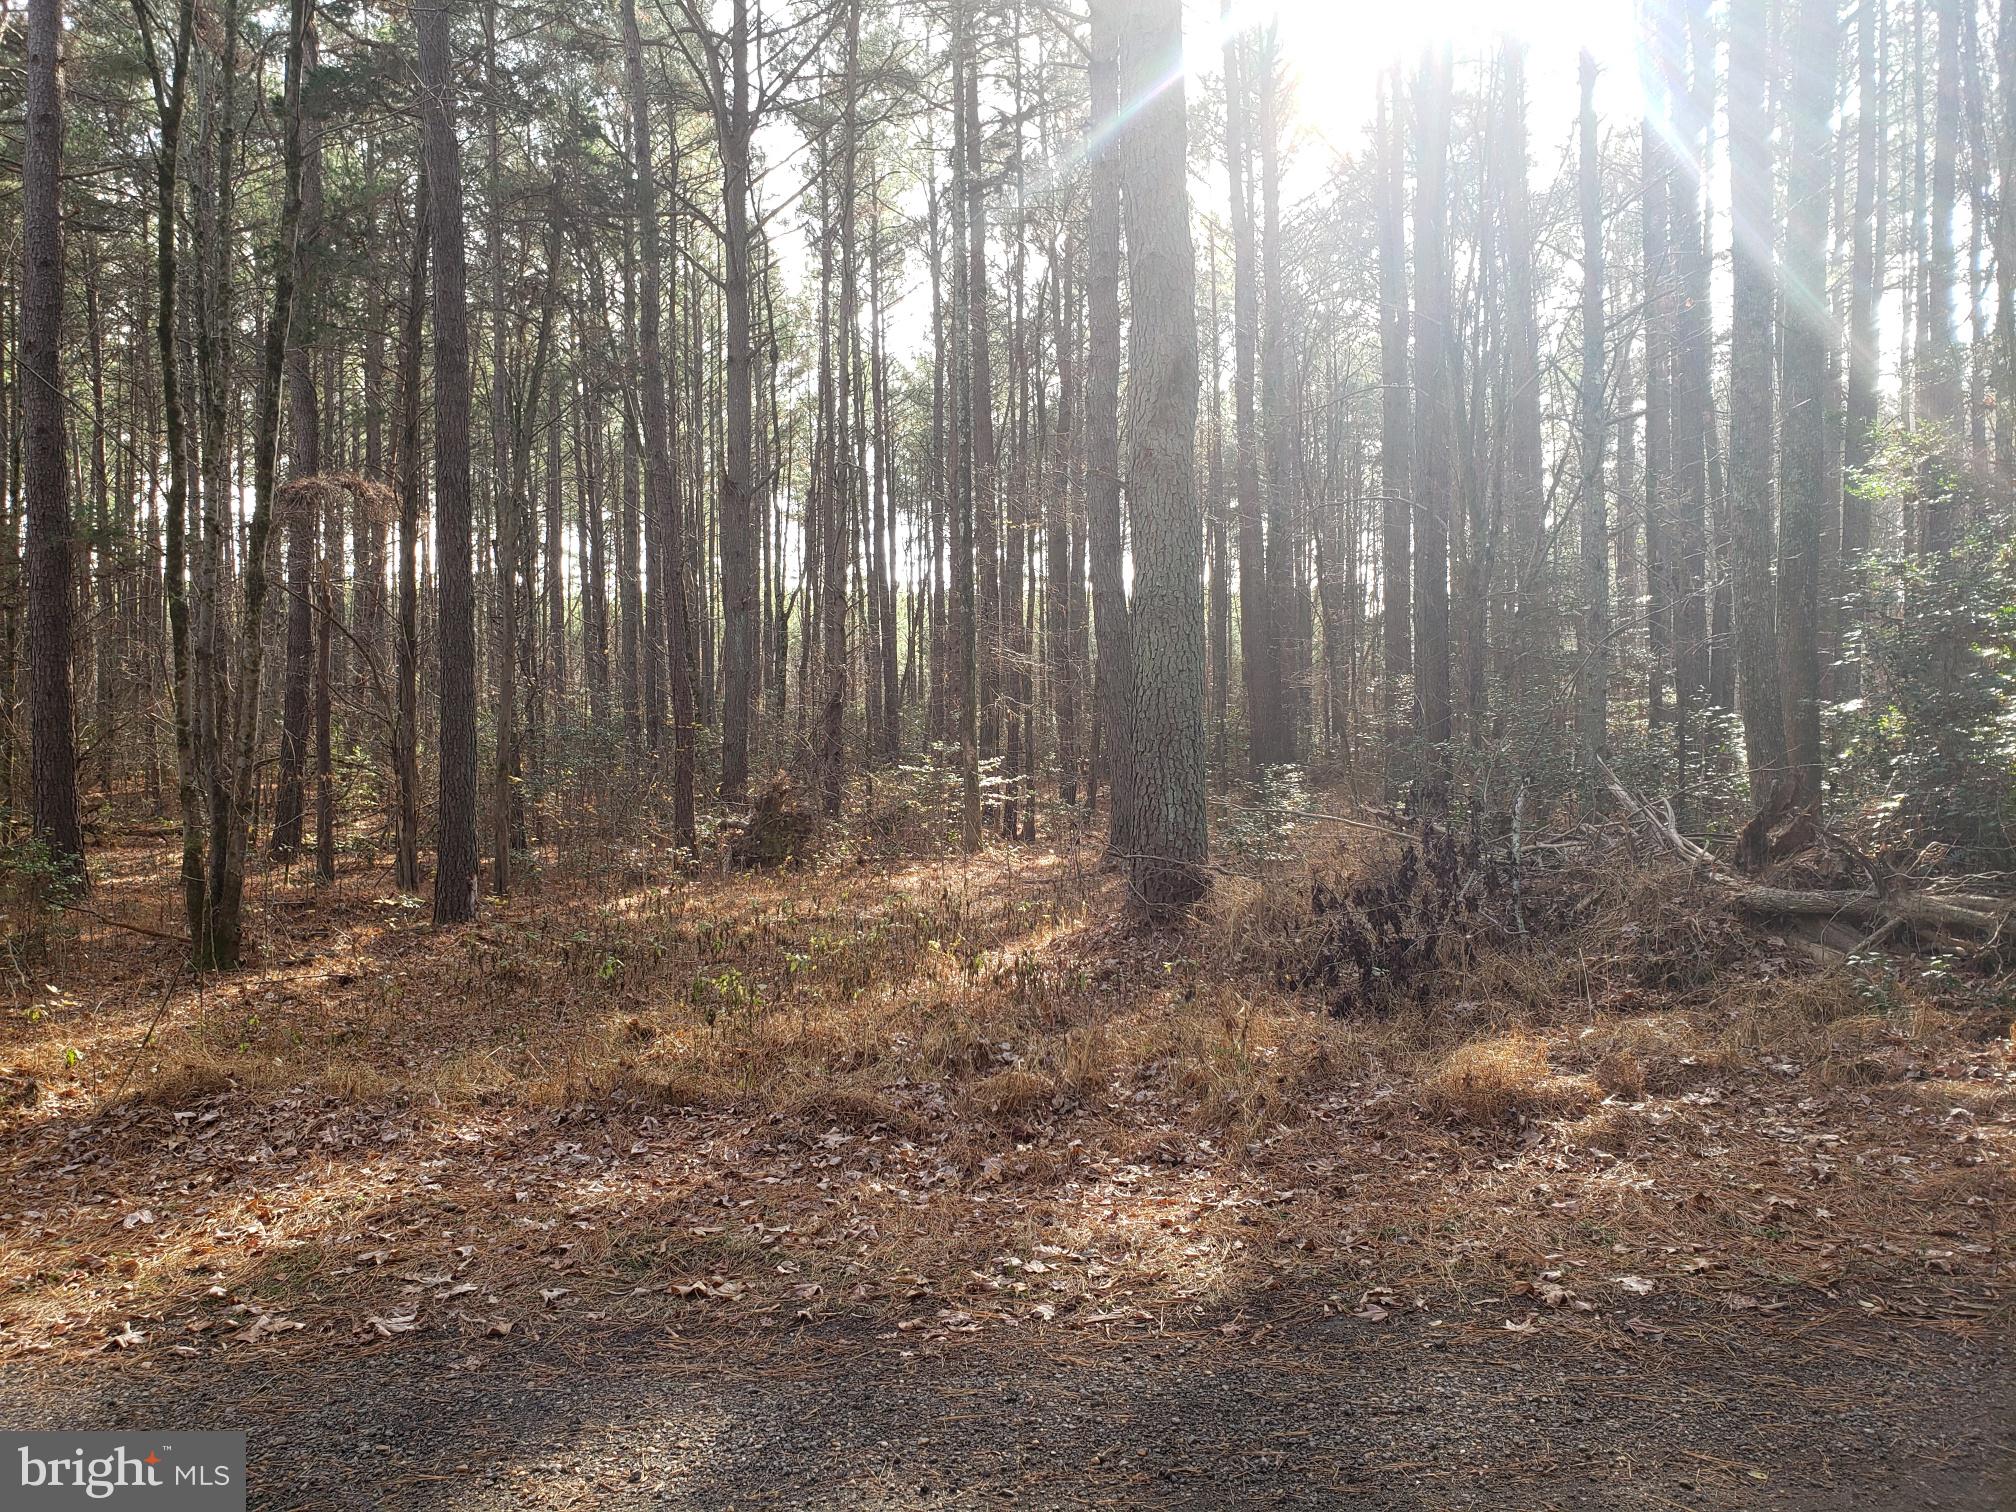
(1752, 348)
(2005, 255)
(1656, 157)
(304, 460)
(1864, 292)
(844, 484)
(1261, 670)
(1593, 663)
(1530, 587)
(455, 854)
(738, 502)
(406, 719)
(1396, 438)
(1939, 381)
(51, 732)
(169, 97)
(1113, 688)
(1435, 449)
(221, 944)
(1814, 41)
(660, 497)
(1166, 727)
(1284, 601)
(1690, 397)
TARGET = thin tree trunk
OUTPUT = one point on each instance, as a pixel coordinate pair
(406, 724)
(660, 498)
(1435, 459)
(1396, 438)
(304, 461)
(1260, 669)
(1113, 689)
(1752, 346)
(1864, 293)
(1284, 601)
(220, 946)
(1593, 666)
(170, 94)
(1939, 382)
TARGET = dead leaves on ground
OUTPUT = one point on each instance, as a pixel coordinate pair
(260, 1219)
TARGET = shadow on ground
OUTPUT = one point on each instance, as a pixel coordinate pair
(1795, 1412)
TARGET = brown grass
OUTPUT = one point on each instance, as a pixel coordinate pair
(1501, 1080)
(887, 1082)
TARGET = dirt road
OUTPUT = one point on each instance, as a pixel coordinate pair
(1816, 1411)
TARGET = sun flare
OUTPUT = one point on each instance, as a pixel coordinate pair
(1334, 51)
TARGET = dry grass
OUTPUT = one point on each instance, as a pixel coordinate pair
(955, 1095)
(1501, 1080)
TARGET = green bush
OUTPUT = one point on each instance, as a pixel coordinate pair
(1929, 749)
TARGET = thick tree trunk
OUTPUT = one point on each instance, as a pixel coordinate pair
(51, 732)
(1166, 727)
(215, 325)
(455, 853)
(1815, 38)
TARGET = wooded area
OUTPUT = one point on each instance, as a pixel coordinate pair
(1054, 587)
(744, 287)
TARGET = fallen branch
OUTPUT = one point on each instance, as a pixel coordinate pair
(1883, 909)
(139, 929)
(1968, 912)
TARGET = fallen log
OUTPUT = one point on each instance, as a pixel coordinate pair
(1885, 908)
(1967, 912)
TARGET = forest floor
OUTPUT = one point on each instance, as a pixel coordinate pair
(902, 1181)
